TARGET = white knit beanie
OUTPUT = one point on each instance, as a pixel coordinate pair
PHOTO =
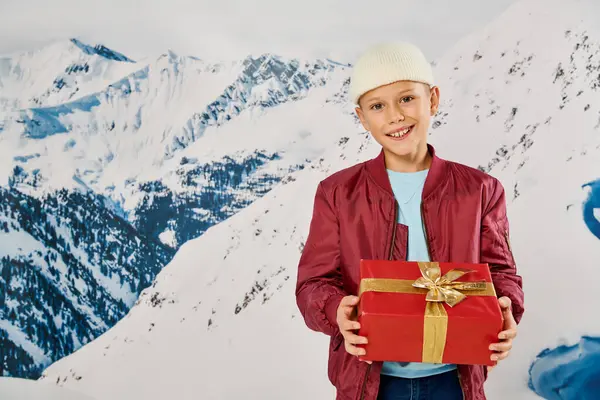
(387, 63)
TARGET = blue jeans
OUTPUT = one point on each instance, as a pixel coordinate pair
(445, 386)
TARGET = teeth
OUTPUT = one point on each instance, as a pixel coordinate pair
(400, 134)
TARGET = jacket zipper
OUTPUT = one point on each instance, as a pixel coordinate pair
(425, 230)
(394, 227)
(390, 257)
(429, 253)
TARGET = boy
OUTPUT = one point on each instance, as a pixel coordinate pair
(405, 204)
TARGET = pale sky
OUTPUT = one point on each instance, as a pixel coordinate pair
(231, 29)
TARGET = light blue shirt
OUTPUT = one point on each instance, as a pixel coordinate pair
(408, 189)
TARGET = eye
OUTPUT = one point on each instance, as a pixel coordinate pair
(406, 99)
(376, 106)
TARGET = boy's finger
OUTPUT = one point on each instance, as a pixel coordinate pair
(499, 356)
(508, 316)
(505, 303)
(349, 301)
(348, 311)
(355, 351)
(350, 325)
(505, 306)
(355, 339)
(504, 346)
(348, 304)
(508, 334)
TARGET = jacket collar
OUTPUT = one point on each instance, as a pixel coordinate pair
(437, 172)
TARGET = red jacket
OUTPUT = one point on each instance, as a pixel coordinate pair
(354, 217)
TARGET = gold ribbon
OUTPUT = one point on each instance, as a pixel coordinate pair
(440, 289)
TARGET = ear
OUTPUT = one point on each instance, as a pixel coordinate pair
(361, 117)
(434, 100)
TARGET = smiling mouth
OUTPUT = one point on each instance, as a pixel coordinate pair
(399, 134)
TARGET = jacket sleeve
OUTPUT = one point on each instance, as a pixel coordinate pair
(496, 250)
(319, 285)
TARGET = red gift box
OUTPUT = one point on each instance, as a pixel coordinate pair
(428, 312)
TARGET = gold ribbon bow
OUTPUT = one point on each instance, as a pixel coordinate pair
(444, 288)
(440, 289)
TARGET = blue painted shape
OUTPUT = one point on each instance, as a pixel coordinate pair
(592, 202)
(24, 159)
(568, 372)
(572, 372)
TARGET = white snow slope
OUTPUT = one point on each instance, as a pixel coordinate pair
(118, 123)
(220, 321)
(58, 73)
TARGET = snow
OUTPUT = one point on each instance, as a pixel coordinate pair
(35, 75)
(19, 244)
(111, 284)
(239, 340)
(20, 339)
(137, 128)
(24, 389)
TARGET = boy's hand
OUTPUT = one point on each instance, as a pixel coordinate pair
(509, 332)
(346, 320)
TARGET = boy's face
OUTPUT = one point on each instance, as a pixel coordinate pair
(398, 116)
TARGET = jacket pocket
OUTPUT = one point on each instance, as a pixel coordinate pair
(507, 245)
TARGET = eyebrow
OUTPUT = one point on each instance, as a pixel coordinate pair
(378, 99)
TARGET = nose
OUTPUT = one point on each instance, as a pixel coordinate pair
(395, 115)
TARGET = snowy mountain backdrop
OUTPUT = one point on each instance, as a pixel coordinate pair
(69, 270)
(123, 162)
(190, 184)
